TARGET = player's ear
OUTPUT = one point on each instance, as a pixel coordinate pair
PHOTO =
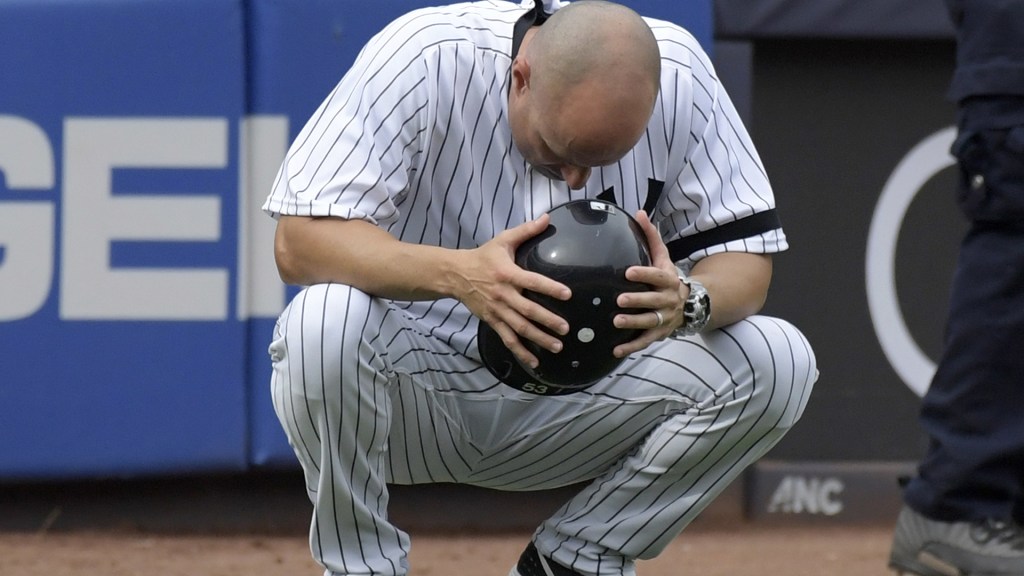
(520, 75)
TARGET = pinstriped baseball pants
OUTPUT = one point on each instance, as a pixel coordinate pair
(368, 395)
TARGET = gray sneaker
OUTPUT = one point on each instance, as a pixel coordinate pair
(926, 547)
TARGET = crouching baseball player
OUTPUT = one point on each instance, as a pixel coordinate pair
(534, 240)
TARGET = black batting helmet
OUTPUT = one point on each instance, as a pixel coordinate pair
(588, 245)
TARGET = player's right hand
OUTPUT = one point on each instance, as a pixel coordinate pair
(491, 285)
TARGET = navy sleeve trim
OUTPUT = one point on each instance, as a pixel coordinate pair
(737, 230)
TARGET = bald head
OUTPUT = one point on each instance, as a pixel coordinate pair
(594, 39)
(583, 88)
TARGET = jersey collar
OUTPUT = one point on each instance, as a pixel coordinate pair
(535, 17)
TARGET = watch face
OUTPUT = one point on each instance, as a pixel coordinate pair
(697, 309)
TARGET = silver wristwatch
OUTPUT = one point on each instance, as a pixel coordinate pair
(696, 310)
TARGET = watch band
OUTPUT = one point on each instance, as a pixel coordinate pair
(696, 310)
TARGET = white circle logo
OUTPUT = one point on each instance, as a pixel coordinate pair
(925, 160)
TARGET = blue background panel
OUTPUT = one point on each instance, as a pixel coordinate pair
(116, 397)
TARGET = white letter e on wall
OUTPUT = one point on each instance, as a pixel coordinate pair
(93, 217)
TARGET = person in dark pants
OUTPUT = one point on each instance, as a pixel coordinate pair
(965, 506)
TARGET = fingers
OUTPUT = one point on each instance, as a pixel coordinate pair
(654, 326)
(660, 275)
(514, 338)
(525, 280)
(659, 252)
(523, 320)
(661, 319)
(500, 301)
(656, 278)
(646, 339)
(511, 340)
(519, 234)
(661, 307)
(652, 319)
(664, 295)
(661, 312)
(541, 284)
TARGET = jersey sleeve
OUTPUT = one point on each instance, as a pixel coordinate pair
(356, 155)
(719, 198)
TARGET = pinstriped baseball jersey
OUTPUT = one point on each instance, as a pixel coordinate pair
(415, 138)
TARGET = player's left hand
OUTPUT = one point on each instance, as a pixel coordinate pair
(666, 295)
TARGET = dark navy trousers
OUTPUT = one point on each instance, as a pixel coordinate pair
(973, 411)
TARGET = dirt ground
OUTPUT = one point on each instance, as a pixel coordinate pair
(746, 550)
(256, 525)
